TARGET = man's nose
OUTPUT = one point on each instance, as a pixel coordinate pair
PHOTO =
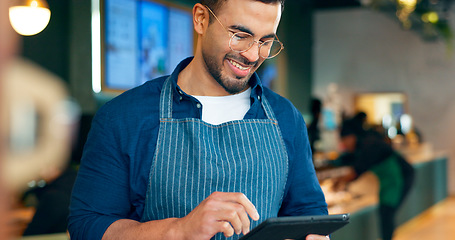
(252, 54)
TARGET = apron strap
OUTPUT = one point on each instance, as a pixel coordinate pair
(268, 110)
(166, 100)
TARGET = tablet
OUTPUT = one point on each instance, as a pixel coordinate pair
(296, 227)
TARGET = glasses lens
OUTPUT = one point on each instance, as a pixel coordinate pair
(270, 49)
(241, 41)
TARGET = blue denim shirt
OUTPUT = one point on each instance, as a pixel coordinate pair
(113, 176)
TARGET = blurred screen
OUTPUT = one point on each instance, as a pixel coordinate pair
(143, 40)
(121, 48)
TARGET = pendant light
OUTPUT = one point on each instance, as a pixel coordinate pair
(29, 17)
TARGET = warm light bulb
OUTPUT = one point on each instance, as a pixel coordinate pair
(29, 20)
(408, 3)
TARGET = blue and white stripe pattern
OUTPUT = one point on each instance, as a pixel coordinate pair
(194, 159)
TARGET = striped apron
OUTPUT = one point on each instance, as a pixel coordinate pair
(194, 159)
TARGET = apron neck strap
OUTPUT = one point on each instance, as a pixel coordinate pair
(166, 99)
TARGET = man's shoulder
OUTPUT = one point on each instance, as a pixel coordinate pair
(278, 102)
(140, 96)
(288, 116)
(141, 102)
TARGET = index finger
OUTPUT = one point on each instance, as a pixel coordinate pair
(238, 198)
(248, 205)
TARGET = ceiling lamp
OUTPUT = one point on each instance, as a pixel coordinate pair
(29, 17)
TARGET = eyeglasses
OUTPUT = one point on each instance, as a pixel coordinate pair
(241, 42)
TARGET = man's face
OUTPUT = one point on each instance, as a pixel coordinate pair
(230, 69)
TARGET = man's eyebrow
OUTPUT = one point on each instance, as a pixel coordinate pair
(244, 29)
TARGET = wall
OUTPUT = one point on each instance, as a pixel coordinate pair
(295, 62)
(362, 50)
(80, 52)
(50, 47)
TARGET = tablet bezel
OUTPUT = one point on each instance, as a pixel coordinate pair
(297, 227)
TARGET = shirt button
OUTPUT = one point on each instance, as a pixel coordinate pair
(181, 93)
(259, 97)
(181, 98)
(198, 105)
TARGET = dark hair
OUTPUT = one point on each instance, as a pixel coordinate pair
(353, 126)
(215, 5)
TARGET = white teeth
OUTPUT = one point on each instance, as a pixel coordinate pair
(238, 65)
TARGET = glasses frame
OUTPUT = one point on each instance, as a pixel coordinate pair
(260, 44)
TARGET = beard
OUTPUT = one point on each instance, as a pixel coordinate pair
(232, 85)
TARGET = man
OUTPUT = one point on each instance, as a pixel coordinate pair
(198, 154)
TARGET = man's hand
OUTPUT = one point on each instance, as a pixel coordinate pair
(220, 212)
(317, 237)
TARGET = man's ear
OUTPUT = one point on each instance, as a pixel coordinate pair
(200, 18)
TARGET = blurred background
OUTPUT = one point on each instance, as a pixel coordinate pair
(390, 59)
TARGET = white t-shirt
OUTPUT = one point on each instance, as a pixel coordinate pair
(220, 109)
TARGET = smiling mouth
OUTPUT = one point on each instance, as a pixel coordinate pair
(237, 65)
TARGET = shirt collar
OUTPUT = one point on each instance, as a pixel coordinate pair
(256, 85)
(255, 82)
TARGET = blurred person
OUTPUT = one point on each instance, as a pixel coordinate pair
(367, 150)
(205, 153)
(27, 88)
(40, 126)
(8, 47)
